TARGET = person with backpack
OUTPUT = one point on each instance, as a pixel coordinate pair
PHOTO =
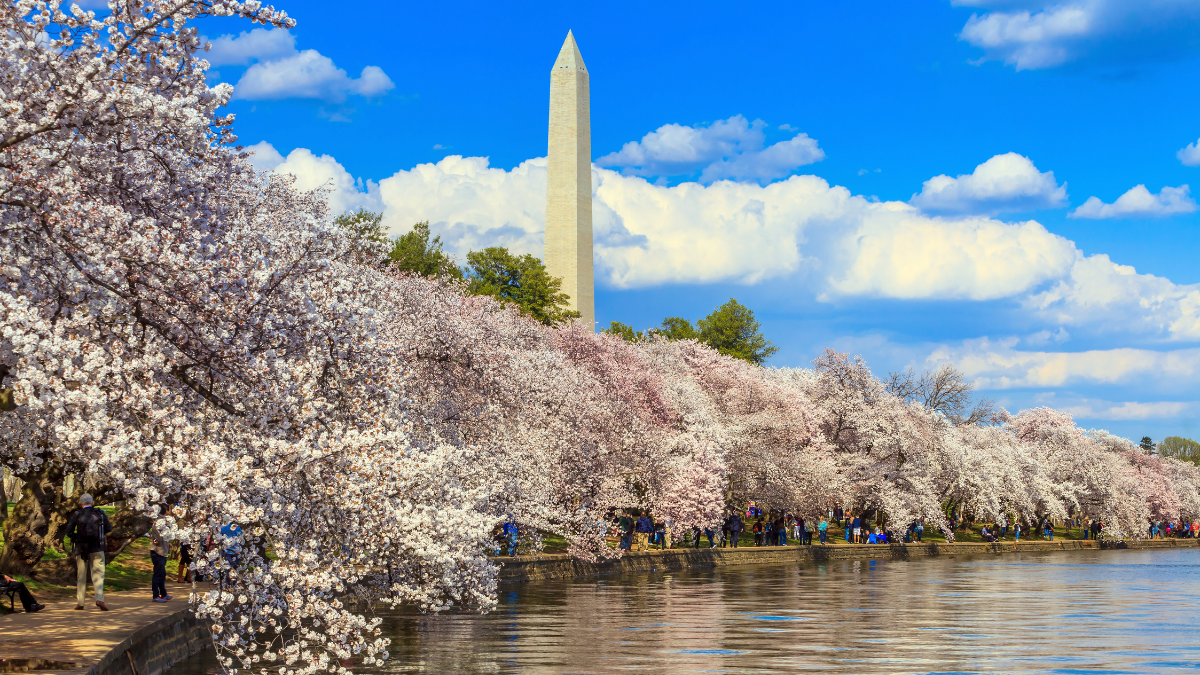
(88, 529)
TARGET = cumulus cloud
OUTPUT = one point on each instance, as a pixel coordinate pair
(1008, 182)
(995, 364)
(279, 71)
(1114, 298)
(648, 234)
(726, 149)
(831, 243)
(260, 44)
(1139, 202)
(1047, 33)
(1190, 156)
(312, 172)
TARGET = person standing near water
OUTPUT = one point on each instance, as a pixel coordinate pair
(160, 548)
(644, 529)
(735, 528)
(822, 528)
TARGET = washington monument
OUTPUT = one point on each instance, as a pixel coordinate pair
(569, 181)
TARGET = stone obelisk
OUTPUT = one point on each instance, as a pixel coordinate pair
(569, 181)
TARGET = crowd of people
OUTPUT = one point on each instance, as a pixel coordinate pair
(639, 530)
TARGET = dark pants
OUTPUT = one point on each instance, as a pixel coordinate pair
(158, 580)
(734, 535)
(27, 600)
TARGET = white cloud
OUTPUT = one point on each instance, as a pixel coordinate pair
(260, 44)
(897, 252)
(1114, 298)
(1128, 410)
(1139, 202)
(308, 74)
(1008, 182)
(265, 157)
(312, 172)
(1049, 33)
(830, 242)
(1190, 156)
(649, 234)
(279, 71)
(731, 149)
(997, 365)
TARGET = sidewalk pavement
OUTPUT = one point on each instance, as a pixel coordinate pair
(60, 633)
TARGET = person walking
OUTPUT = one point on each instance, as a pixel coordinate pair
(810, 526)
(823, 527)
(757, 530)
(31, 605)
(1016, 531)
(920, 529)
(88, 528)
(185, 561)
(781, 529)
(796, 527)
(160, 548)
(856, 525)
(735, 528)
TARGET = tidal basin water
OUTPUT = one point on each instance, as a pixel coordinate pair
(1076, 612)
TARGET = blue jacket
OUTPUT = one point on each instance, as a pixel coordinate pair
(644, 525)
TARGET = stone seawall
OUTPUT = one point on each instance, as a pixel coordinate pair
(154, 648)
(559, 566)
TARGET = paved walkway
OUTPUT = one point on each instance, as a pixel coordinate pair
(60, 633)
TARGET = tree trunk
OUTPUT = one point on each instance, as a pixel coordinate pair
(36, 519)
(3, 501)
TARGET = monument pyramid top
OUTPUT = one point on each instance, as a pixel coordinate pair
(569, 57)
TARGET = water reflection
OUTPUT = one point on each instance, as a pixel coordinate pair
(1115, 611)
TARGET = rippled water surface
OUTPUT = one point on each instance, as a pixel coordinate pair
(1084, 611)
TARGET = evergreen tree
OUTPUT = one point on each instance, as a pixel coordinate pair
(520, 280)
(415, 252)
(676, 328)
(625, 332)
(732, 330)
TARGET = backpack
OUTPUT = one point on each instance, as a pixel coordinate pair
(91, 525)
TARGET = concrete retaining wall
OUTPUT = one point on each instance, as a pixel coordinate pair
(154, 648)
(558, 566)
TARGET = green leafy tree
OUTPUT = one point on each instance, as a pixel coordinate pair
(625, 332)
(1147, 444)
(1180, 448)
(519, 280)
(366, 231)
(733, 331)
(415, 252)
(676, 328)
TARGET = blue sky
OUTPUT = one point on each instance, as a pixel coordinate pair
(907, 181)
